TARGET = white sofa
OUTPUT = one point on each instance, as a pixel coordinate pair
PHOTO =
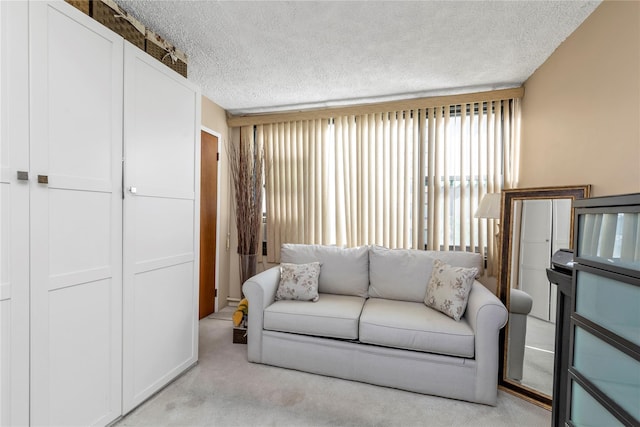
(370, 323)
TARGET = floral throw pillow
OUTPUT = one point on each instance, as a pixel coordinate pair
(298, 282)
(449, 287)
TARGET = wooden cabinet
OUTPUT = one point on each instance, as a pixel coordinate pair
(84, 115)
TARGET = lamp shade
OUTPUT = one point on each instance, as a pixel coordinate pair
(489, 206)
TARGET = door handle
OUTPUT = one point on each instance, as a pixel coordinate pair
(43, 179)
(133, 190)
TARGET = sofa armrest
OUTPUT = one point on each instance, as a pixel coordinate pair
(260, 291)
(484, 309)
(486, 315)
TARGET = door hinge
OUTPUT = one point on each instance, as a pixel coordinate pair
(218, 157)
(215, 293)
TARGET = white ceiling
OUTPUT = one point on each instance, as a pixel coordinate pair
(262, 56)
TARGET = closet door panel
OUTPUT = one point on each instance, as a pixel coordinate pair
(80, 129)
(5, 357)
(81, 232)
(14, 214)
(161, 226)
(5, 281)
(76, 218)
(174, 217)
(86, 366)
(162, 134)
(5, 259)
(164, 327)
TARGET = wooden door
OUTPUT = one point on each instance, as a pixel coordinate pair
(14, 214)
(76, 217)
(161, 225)
(208, 220)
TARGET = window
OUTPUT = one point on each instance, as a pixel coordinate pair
(409, 178)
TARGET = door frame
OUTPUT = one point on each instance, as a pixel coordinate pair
(217, 273)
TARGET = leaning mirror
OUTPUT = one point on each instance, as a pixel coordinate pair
(535, 223)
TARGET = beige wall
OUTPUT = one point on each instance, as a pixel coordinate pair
(228, 285)
(581, 108)
(215, 119)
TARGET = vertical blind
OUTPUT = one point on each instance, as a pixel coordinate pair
(400, 179)
(297, 183)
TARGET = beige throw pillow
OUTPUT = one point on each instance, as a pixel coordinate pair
(298, 282)
(449, 287)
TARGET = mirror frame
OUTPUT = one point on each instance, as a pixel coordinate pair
(509, 197)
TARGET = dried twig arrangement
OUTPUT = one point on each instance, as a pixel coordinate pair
(246, 163)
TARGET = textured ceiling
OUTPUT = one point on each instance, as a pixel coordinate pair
(266, 56)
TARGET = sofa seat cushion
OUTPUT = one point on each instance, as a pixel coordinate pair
(414, 326)
(334, 316)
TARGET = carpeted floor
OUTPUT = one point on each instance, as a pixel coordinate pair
(224, 314)
(226, 390)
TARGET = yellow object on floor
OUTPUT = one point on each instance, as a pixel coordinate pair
(241, 312)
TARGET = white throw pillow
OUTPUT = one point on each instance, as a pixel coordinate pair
(298, 282)
(449, 287)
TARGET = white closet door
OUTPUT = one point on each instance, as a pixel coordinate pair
(561, 229)
(561, 224)
(14, 214)
(76, 218)
(161, 225)
(535, 254)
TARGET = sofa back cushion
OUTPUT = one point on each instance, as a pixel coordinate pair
(403, 274)
(343, 271)
(459, 259)
(399, 274)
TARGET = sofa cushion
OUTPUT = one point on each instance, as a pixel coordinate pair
(403, 274)
(414, 326)
(343, 271)
(459, 259)
(334, 316)
(399, 274)
(298, 281)
(449, 287)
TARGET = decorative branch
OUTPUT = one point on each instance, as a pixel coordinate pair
(246, 164)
